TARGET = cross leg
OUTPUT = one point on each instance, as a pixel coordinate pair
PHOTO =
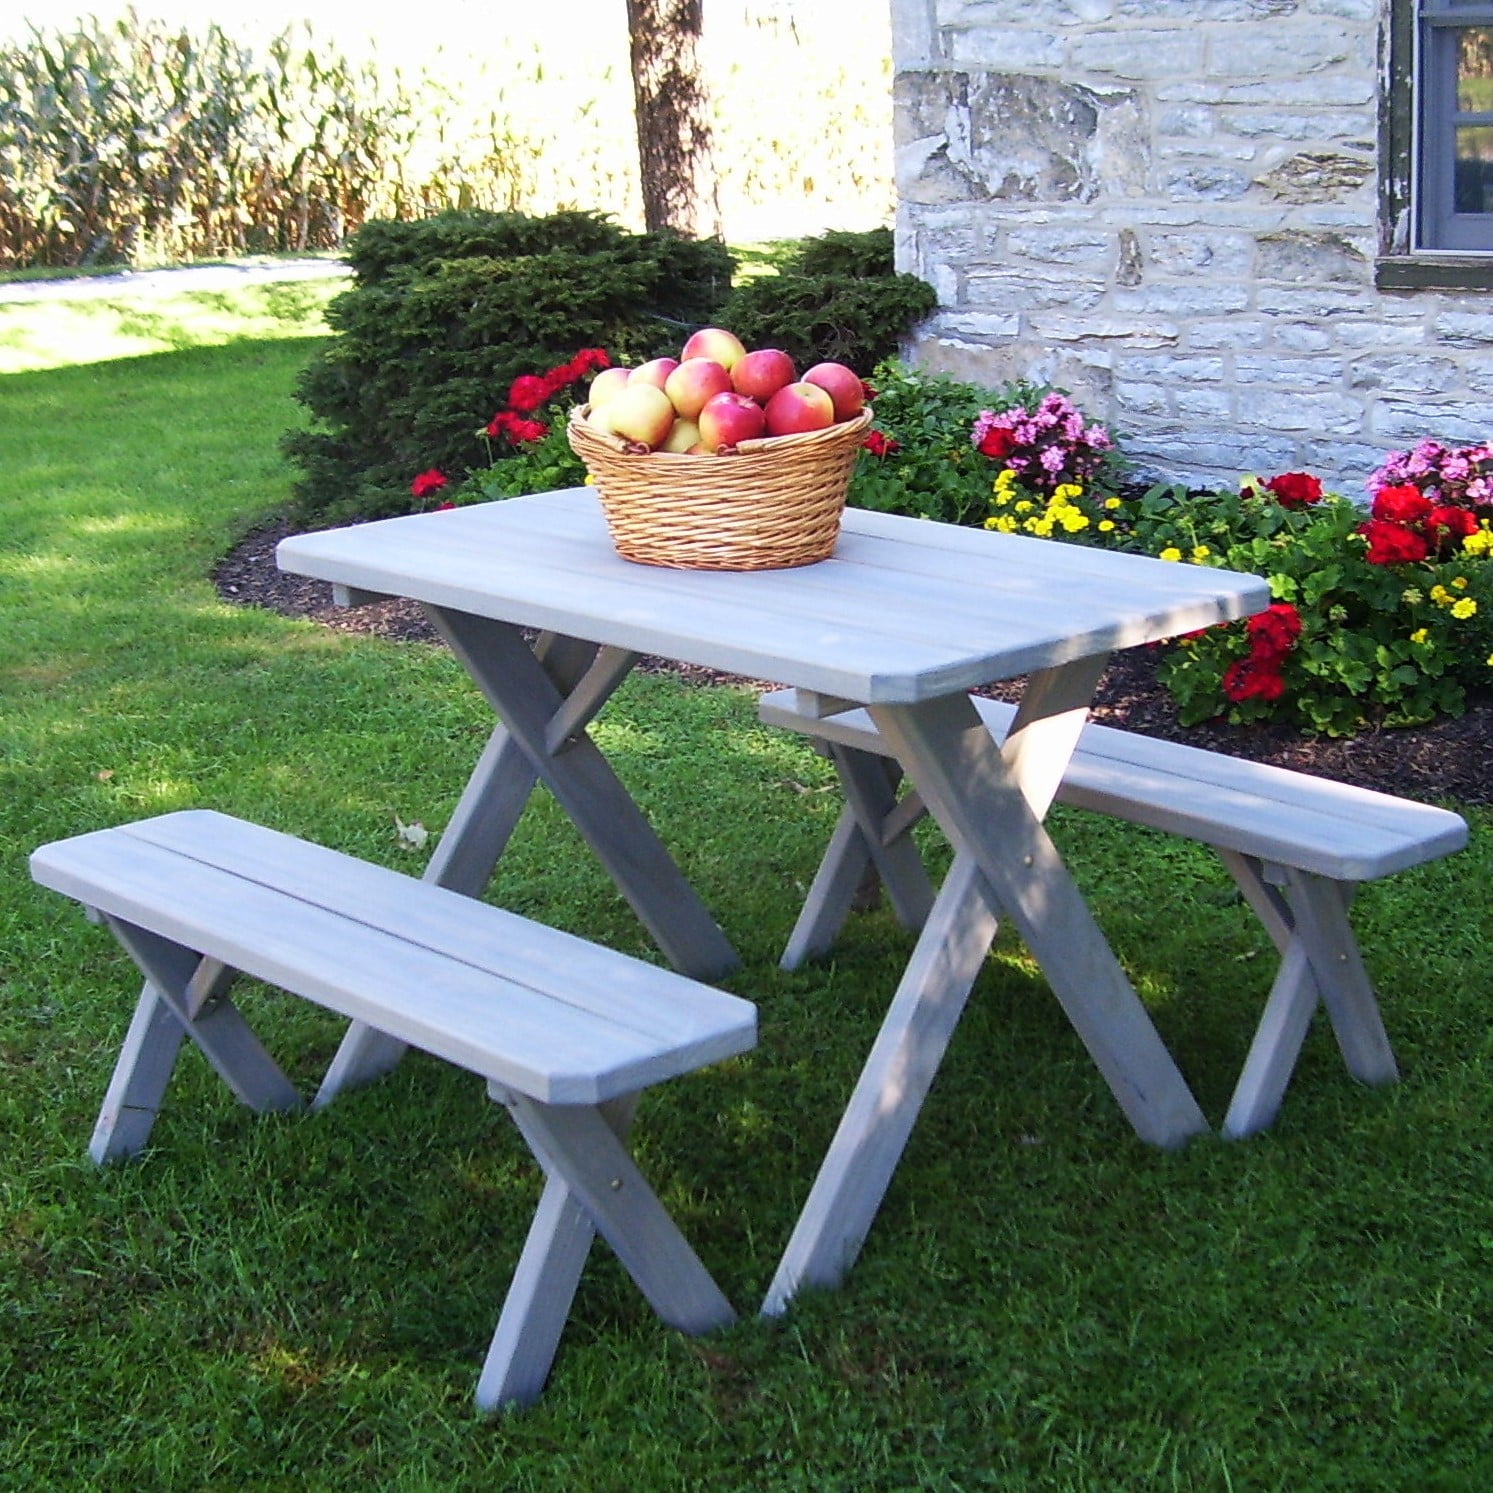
(990, 801)
(553, 737)
(592, 1187)
(884, 1106)
(870, 837)
(1308, 923)
(184, 995)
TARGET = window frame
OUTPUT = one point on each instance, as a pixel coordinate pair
(1439, 226)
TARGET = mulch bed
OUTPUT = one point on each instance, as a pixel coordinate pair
(1449, 759)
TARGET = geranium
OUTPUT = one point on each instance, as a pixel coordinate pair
(1405, 504)
(879, 443)
(1253, 679)
(1295, 489)
(1273, 633)
(1047, 446)
(1393, 543)
(532, 391)
(1442, 496)
(428, 482)
(516, 428)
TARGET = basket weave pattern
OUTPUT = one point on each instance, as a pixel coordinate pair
(770, 504)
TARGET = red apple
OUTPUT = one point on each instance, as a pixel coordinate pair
(712, 342)
(843, 386)
(799, 407)
(655, 372)
(729, 419)
(693, 383)
(761, 373)
(640, 413)
(684, 436)
(607, 385)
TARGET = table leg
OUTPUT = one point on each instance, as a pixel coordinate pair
(528, 702)
(990, 801)
(979, 795)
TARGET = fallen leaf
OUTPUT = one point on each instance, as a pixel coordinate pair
(411, 836)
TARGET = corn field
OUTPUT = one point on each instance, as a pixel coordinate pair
(133, 141)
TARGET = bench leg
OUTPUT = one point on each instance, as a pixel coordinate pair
(184, 995)
(872, 835)
(592, 1187)
(1308, 923)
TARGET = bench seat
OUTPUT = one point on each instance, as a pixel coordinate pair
(1297, 845)
(565, 1032)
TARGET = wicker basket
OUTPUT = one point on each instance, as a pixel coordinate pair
(768, 505)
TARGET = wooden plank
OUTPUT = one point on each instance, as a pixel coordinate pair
(532, 1040)
(862, 631)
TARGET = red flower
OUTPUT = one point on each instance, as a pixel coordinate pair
(1295, 489)
(1273, 632)
(516, 428)
(997, 442)
(1458, 522)
(1391, 543)
(427, 483)
(1253, 678)
(443, 507)
(878, 443)
(527, 392)
(1401, 505)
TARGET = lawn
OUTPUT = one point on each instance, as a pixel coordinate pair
(303, 1301)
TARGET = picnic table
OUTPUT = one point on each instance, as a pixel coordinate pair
(905, 619)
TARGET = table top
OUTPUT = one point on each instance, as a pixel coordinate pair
(904, 610)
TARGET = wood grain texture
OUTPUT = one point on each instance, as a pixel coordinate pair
(541, 1011)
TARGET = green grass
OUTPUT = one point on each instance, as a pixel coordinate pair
(303, 1301)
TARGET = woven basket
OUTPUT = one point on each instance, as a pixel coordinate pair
(769, 504)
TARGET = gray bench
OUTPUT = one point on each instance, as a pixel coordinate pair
(1297, 846)
(565, 1033)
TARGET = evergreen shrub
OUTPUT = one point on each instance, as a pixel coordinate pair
(446, 312)
(837, 297)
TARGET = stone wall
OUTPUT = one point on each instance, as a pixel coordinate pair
(1171, 208)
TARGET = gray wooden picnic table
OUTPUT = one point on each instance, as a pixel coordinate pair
(905, 619)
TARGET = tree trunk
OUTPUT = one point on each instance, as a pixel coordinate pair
(673, 114)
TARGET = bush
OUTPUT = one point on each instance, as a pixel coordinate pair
(836, 298)
(443, 316)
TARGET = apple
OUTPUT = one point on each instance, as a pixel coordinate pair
(693, 382)
(762, 372)
(843, 386)
(713, 342)
(729, 419)
(684, 436)
(656, 371)
(607, 385)
(799, 407)
(641, 413)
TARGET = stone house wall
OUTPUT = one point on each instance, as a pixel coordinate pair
(1171, 208)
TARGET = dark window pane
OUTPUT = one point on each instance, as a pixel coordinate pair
(1475, 69)
(1474, 170)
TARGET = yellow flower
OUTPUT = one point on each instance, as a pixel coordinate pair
(1420, 635)
(1105, 525)
(1441, 596)
(1072, 520)
(1411, 596)
(1464, 609)
(1006, 478)
(1111, 502)
(1460, 582)
(1171, 552)
(1200, 552)
(1065, 492)
(1025, 506)
(1480, 543)
(1490, 660)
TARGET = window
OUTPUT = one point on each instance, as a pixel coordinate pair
(1454, 72)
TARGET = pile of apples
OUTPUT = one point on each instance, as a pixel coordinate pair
(716, 394)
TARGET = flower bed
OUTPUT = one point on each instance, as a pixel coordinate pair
(1382, 615)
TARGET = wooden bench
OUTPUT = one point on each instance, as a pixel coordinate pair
(1297, 846)
(565, 1033)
